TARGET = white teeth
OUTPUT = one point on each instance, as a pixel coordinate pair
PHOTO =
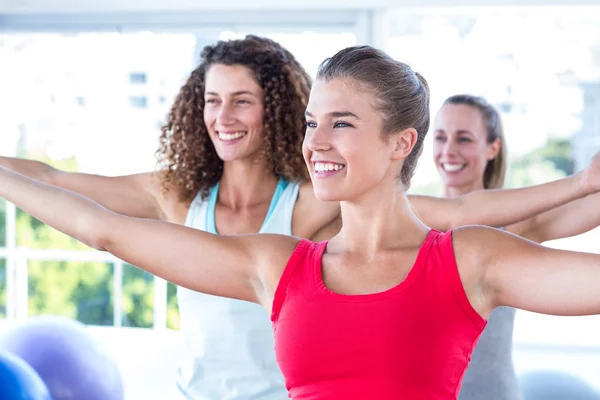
(231, 136)
(452, 167)
(324, 167)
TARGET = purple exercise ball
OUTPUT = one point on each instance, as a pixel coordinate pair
(70, 362)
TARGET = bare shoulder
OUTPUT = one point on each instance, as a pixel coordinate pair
(475, 242)
(275, 247)
(272, 252)
(477, 248)
(311, 214)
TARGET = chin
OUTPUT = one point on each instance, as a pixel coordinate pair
(229, 156)
(327, 195)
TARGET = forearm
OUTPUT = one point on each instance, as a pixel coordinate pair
(501, 207)
(571, 219)
(68, 212)
(33, 169)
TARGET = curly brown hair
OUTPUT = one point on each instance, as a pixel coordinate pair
(187, 160)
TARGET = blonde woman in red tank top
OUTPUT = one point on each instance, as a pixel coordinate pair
(367, 117)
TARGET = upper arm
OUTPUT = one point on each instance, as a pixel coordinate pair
(437, 213)
(245, 267)
(528, 229)
(129, 195)
(511, 271)
(311, 215)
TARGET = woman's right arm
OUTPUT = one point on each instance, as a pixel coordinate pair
(129, 195)
(245, 267)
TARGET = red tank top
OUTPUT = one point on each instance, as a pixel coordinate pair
(413, 341)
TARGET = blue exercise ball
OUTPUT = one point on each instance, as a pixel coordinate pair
(72, 364)
(18, 381)
(554, 385)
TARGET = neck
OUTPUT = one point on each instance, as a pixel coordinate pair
(379, 220)
(245, 184)
(455, 191)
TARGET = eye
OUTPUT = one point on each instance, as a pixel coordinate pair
(210, 101)
(311, 124)
(241, 101)
(440, 138)
(464, 140)
(341, 124)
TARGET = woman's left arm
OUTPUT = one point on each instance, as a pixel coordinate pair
(502, 269)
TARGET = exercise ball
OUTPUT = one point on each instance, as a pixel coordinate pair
(18, 381)
(70, 362)
(554, 385)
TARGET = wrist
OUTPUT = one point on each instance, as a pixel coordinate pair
(583, 187)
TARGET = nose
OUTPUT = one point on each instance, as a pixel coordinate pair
(449, 148)
(318, 139)
(225, 115)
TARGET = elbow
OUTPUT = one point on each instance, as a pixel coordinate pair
(49, 175)
(459, 217)
(94, 231)
(456, 220)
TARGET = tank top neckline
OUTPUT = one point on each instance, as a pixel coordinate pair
(413, 274)
(211, 225)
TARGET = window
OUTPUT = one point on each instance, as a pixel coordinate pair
(93, 125)
(138, 101)
(309, 47)
(137, 78)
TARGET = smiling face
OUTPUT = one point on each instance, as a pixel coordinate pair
(234, 111)
(461, 150)
(343, 148)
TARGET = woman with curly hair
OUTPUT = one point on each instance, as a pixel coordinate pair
(230, 162)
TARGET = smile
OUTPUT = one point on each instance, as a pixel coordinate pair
(453, 167)
(230, 136)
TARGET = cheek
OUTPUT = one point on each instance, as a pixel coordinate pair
(209, 117)
(361, 161)
(473, 153)
(254, 118)
(306, 153)
(437, 151)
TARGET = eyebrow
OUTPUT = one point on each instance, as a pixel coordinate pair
(336, 114)
(458, 132)
(238, 93)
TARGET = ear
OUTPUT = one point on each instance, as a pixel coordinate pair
(404, 142)
(492, 149)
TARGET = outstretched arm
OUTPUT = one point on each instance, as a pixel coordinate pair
(568, 220)
(502, 207)
(229, 266)
(502, 269)
(130, 195)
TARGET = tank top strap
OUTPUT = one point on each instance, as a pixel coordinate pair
(302, 258)
(448, 273)
(196, 215)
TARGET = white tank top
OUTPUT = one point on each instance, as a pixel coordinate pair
(229, 347)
